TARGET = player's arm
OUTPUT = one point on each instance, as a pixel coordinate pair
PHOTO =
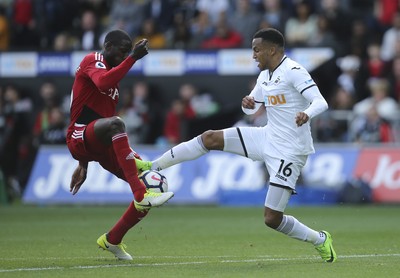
(305, 85)
(317, 106)
(104, 79)
(78, 177)
(252, 102)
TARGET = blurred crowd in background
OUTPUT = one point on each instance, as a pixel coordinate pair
(361, 82)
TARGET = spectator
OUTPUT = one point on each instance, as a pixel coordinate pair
(175, 122)
(195, 104)
(24, 25)
(179, 36)
(89, 32)
(63, 42)
(157, 40)
(274, 15)
(332, 125)
(323, 37)
(384, 12)
(15, 150)
(342, 100)
(339, 21)
(300, 28)
(371, 128)
(55, 133)
(390, 39)
(373, 64)
(142, 112)
(151, 105)
(394, 79)
(349, 66)
(386, 106)
(44, 118)
(225, 37)
(245, 21)
(201, 29)
(359, 40)
(54, 17)
(215, 10)
(187, 92)
(4, 30)
(161, 12)
(126, 15)
(133, 121)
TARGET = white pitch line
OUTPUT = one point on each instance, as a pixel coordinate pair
(259, 259)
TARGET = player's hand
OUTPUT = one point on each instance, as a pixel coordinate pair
(140, 49)
(301, 118)
(78, 178)
(248, 102)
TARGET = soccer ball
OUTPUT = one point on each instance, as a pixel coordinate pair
(154, 181)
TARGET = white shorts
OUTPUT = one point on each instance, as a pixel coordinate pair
(252, 142)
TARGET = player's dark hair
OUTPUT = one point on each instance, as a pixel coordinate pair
(116, 36)
(271, 35)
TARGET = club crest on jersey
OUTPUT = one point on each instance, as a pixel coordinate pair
(275, 82)
(274, 100)
(100, 65)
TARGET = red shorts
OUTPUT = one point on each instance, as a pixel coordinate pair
(84, 146)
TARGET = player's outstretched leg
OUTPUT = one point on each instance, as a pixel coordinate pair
(142, 165)
(326, 250)
(118, 250)
(153, 199)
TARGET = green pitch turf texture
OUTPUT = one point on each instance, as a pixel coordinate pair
(175, 241)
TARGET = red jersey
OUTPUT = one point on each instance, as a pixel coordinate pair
(95, 91)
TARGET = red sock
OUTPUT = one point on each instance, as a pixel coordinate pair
(130, 218)
(126, 160)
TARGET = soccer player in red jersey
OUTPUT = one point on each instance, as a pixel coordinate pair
(96, 134)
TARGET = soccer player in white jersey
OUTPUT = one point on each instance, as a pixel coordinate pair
(291, 98)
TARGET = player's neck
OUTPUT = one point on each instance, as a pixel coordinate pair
(276, 61)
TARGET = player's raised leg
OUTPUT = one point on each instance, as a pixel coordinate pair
(185, 151)
(194, 148)
(112, 131)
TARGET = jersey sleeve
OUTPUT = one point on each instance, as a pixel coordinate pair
(305, 85)
(300, 78)
(318, 102)
(105, 79)
(256, 93)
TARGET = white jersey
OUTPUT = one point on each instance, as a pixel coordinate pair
(281, 91)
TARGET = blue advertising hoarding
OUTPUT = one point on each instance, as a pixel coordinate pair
(215, 178)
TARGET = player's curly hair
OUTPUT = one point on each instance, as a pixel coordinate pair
(271, 35)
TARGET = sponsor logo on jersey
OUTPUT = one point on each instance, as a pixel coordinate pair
(275, 100)
(112, 93)
(280, 177)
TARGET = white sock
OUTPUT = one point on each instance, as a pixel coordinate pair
(295, 229)
(185, 151)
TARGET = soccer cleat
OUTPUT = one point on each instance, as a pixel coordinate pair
(153, 199)
(326, 250)
(118, 250)
(142, 165)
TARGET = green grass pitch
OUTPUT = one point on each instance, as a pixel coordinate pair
(186, 241)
